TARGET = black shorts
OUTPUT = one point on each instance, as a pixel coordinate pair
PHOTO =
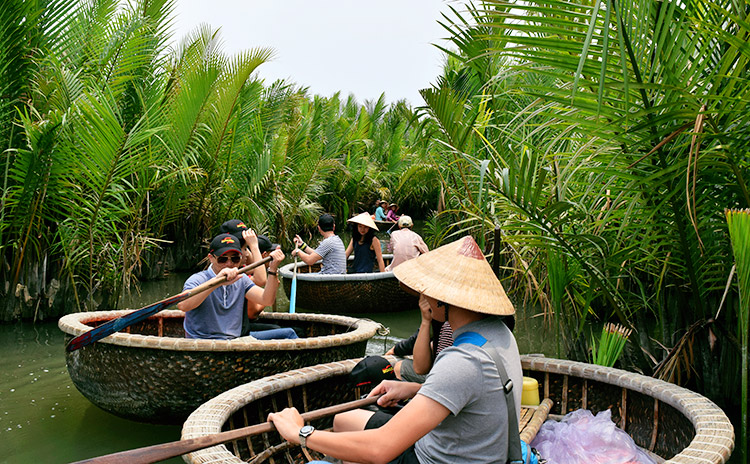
(378, 420)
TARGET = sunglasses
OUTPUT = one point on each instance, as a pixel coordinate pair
(223, 259)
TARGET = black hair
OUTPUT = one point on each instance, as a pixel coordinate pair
(326, 222)
(356, 236)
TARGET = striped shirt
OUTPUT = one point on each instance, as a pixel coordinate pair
(333, 252)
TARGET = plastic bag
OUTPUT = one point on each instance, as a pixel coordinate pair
(581, 437)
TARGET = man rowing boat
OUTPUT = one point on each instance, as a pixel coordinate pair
(460, 413)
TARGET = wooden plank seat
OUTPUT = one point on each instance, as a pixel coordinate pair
(532, 418)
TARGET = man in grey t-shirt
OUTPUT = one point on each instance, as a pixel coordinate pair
(331, 249)
(460, 414)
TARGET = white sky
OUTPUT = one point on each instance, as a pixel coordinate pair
(358, 47)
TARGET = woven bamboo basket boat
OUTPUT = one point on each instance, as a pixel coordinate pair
(377, 292)
(674, 424)
(384, 226)
(151, 373)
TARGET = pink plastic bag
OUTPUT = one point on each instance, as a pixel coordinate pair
(582, 438)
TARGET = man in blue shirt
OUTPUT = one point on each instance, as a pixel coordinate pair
(217, 313)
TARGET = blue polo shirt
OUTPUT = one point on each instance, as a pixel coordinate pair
(220, 314)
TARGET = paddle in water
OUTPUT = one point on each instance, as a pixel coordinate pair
(116, 325)
(164, 451)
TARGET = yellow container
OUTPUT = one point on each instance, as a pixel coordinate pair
(530, 395)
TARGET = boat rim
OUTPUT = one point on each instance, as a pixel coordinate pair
(714, 434)
(364, 329)
(287, 272)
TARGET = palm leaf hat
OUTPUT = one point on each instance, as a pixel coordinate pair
(457, 274)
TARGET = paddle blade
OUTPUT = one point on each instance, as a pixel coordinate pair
(115, 325)
(293, 292)
(293, 295)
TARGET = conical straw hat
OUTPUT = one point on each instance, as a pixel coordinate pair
(459, 275)
(365, 219)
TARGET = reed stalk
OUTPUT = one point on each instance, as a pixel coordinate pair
(611, 343)
(738, 222)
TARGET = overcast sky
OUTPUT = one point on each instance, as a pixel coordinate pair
(355, 46)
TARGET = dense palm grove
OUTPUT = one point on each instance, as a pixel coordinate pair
(594, 143)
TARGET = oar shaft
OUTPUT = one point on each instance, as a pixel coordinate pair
(156, 453)
(116, 325)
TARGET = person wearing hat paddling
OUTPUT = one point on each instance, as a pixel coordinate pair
(461, 412)
(217, 313)
(250, 323)
(331, 249)
(365, 245)
(238, 228)
(250, 254)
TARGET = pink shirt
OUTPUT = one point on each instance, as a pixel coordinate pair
(407, 245)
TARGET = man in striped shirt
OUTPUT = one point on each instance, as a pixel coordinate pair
(331, 249)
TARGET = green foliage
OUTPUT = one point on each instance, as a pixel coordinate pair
(118, 145)
(617, 134)
(738, 222)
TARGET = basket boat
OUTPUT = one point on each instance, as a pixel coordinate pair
(383, 226)
(151, 373)
(674, 424)
(377, 292)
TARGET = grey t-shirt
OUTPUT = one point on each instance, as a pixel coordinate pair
(333, 252)
(464, 379)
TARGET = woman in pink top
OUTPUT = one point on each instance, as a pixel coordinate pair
(391, 214)
(406, 243)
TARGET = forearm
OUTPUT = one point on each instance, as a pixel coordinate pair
(309, 258)
(269, 292)
(406, 347)
(422, 349)
(254, 310)
(193, 302)
(366, 446)
(259, 273)
(378, 254)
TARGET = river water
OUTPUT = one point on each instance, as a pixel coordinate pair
(43, 418)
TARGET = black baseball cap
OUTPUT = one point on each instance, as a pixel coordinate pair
(234, 227)
(264, 244)
(371, 371)
(223, 243)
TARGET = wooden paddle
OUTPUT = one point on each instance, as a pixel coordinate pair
(164, 451)
(389, 230)
(116, 325)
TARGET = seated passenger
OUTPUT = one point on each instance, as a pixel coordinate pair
(331, 249)
(217, 313)
(423, 348)
(406, 243)
(380, 211)
(365, 245)
(460, 413)
(238, 228)
(392, 214)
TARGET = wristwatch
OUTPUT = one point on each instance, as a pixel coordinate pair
(305, 432)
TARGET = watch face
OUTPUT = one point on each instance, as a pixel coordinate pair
(306, 430)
